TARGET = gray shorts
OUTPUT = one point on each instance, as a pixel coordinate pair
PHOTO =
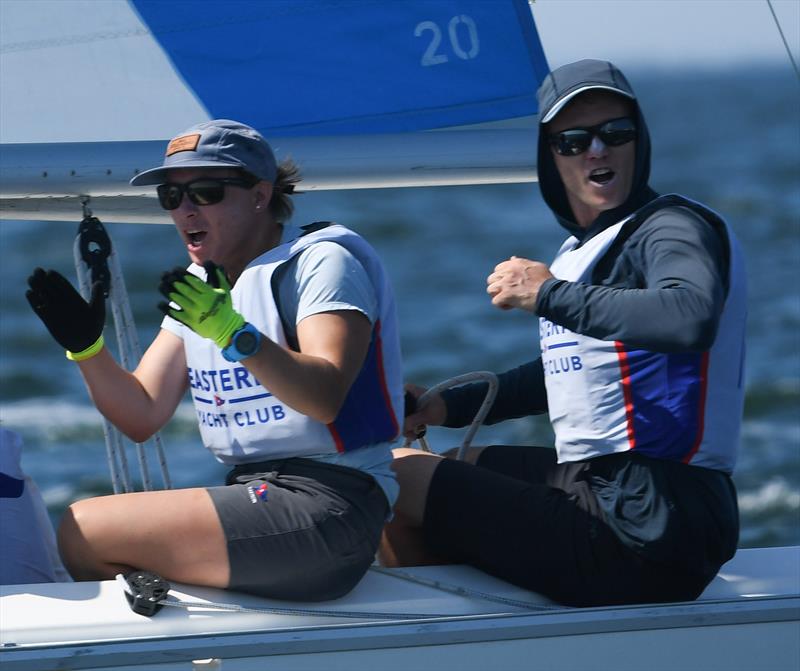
(299, 529)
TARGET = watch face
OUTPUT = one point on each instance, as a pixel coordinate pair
(246, 342)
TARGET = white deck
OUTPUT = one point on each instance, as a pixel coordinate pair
(748, 618)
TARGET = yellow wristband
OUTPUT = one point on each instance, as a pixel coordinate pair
(89, 352)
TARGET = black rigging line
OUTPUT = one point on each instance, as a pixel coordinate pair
(783, 37)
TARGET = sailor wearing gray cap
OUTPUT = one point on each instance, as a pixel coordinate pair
(287, 340)
(219, 143)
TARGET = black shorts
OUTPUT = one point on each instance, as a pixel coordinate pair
(524, 518)
(299, 529)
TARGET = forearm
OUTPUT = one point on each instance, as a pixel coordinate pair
(315, 381)
(672, 319)
(119, 397)
(521, 392)
(664, 291)
(311, 385)
(141, 402)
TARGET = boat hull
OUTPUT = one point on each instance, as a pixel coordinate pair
(748, 618)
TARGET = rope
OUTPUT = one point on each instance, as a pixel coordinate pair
(165, 600)
(783, 37)
(130, 353)
(462, 591)
(147, 592)
(115, 451)
(477, 421)
(96, 260)
(308, 612)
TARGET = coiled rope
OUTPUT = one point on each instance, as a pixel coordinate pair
(457, 381)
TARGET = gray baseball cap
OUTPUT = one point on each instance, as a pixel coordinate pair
(568, 81)
(219, 143)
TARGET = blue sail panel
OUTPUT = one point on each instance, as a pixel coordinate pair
(314, 67)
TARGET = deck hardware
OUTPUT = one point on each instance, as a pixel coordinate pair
(95, 248)
(145, 592)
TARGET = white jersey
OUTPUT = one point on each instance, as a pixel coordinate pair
(605, 397)
(241, 421)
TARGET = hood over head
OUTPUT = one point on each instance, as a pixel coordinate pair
(560, 87)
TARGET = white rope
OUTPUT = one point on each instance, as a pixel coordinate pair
(460, 590)
(488, 400)
(129, 353)
(169, 600)
(115, 451)
(305, 612)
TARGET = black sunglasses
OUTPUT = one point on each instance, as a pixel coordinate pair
(574, 141)
(202, 191)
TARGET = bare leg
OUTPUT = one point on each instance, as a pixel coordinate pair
(414, 470)
(175, 533)
(402, 543)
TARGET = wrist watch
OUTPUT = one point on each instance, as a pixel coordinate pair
(244, 343)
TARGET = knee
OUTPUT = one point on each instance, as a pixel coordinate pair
(414, 473)
(73, 544)
(68, 536)
(401, 543)
(64, 535)
(410, 458)
(403, 452)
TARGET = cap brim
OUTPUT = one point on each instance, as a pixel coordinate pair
(559, 105)
(159, 175)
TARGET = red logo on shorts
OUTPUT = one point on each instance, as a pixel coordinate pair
(257, 493)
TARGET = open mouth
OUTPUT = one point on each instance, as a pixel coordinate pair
(601, 176)
(196, 237)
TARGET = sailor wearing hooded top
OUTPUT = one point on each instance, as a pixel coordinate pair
(290, 341)
(641, 321)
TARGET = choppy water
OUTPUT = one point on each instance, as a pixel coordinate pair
(730, 140)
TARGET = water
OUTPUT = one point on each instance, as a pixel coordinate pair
(731, 140)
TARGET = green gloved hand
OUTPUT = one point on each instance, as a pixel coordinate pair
(205, 307)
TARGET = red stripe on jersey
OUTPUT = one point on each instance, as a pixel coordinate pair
(336, 437)
(625, 370)
(701, 408)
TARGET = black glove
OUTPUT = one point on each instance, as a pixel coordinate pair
(74, 323)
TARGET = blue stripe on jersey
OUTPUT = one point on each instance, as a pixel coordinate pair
(366, 416)
(666, 394)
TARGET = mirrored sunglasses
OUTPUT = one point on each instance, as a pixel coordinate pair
(202, 191)
(613, 133)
